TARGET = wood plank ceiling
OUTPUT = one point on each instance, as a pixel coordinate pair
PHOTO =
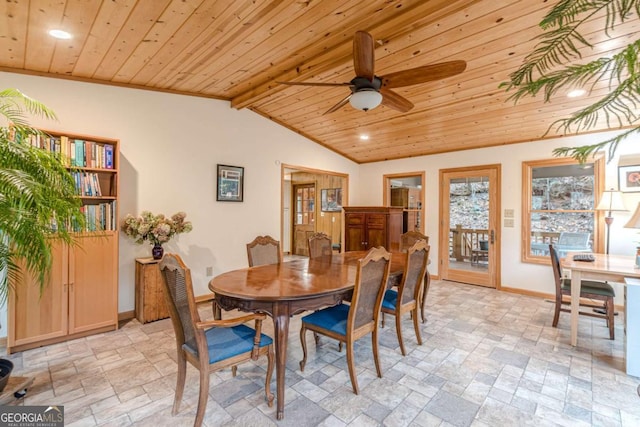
(237, 50)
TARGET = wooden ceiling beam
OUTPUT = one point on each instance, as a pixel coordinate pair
(430, 11)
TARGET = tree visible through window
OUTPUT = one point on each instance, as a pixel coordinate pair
(559, 202)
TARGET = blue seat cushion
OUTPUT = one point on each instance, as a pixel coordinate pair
(333, 319)
(592, 287)
(224, 343)
(390, 299)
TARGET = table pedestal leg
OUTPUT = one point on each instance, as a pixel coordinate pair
(281, 314)
(576, 279)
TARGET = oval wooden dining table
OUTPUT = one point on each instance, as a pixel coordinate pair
(283, 290)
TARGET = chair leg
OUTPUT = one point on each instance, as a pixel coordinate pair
(352, 368)
(610, 317)
(234, 370)
(376, 359)
(399, 333)
(303, 331)
(382, 322)
(203, 396)
(217, 311)
(556, 314)
(267, 383)
(416, 327)
(425, 291)
(182, 375)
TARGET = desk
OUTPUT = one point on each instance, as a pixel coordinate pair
(282, 290)
(613, 268)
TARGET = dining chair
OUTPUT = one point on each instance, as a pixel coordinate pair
(407, 240)
(264, 250)
(405, 299)
(209, 345)
(589, 289)
(319, 245)
(348, 323)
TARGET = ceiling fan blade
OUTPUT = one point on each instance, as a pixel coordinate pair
(392, 100)
(339, 105)
(313, 84)
(363, 56)
(426, 73)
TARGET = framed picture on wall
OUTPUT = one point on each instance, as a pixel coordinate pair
(331, 199)
(629, 178)
(230, 186)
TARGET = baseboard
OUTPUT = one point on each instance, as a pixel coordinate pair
(126, 315)
(205, 298)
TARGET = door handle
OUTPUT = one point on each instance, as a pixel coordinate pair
(493, 236)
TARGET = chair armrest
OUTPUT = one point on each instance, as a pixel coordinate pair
(227, 323)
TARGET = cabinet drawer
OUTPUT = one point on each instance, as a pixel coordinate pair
(376, 221)
(355, 219)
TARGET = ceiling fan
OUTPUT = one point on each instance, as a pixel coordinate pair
(368, 90)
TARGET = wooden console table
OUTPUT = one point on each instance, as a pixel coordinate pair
(150, 299)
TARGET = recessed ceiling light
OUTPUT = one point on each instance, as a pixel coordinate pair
(60, 34)
(576, 92)
(364, 137)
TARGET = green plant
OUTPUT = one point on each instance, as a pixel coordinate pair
(543, 70)
(37, 194)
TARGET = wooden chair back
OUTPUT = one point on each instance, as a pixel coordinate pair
(264, 250)
(414, 272)
(410, 237)
(371, 282)
(557, 271)
(181, 303)
(319, 245)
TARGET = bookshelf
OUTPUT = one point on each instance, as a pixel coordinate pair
(81, 297)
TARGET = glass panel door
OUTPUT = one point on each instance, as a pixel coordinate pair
(469, 244)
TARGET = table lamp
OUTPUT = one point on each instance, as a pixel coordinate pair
(634, 222)
(611, 200)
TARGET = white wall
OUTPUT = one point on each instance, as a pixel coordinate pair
(170, 145)
(169, 148)
(515, 273)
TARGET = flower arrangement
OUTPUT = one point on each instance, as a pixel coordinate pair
(155, 229)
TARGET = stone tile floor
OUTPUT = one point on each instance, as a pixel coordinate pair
(488, 358)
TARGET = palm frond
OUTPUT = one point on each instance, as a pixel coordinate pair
(36, 192)
(561, 43)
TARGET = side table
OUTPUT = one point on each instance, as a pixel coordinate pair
(150, 299)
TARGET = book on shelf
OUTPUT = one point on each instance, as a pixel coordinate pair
(108, 156)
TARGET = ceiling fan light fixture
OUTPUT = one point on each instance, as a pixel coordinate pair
(365, 99)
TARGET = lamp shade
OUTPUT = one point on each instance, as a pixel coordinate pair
(365, 99)
(634, 221)
(611, 200)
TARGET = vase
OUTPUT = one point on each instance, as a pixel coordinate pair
(157, 251)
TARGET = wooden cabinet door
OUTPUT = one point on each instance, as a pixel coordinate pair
(93, 283)
(376, 230)
(34, 317)
(355, 235)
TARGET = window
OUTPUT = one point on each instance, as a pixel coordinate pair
(559, 199)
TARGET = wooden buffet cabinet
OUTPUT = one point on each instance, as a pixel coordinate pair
(370, 226)
(81, 295)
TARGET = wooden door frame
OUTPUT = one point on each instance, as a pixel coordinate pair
(386, 191)
(495, 204)
(345, 195)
